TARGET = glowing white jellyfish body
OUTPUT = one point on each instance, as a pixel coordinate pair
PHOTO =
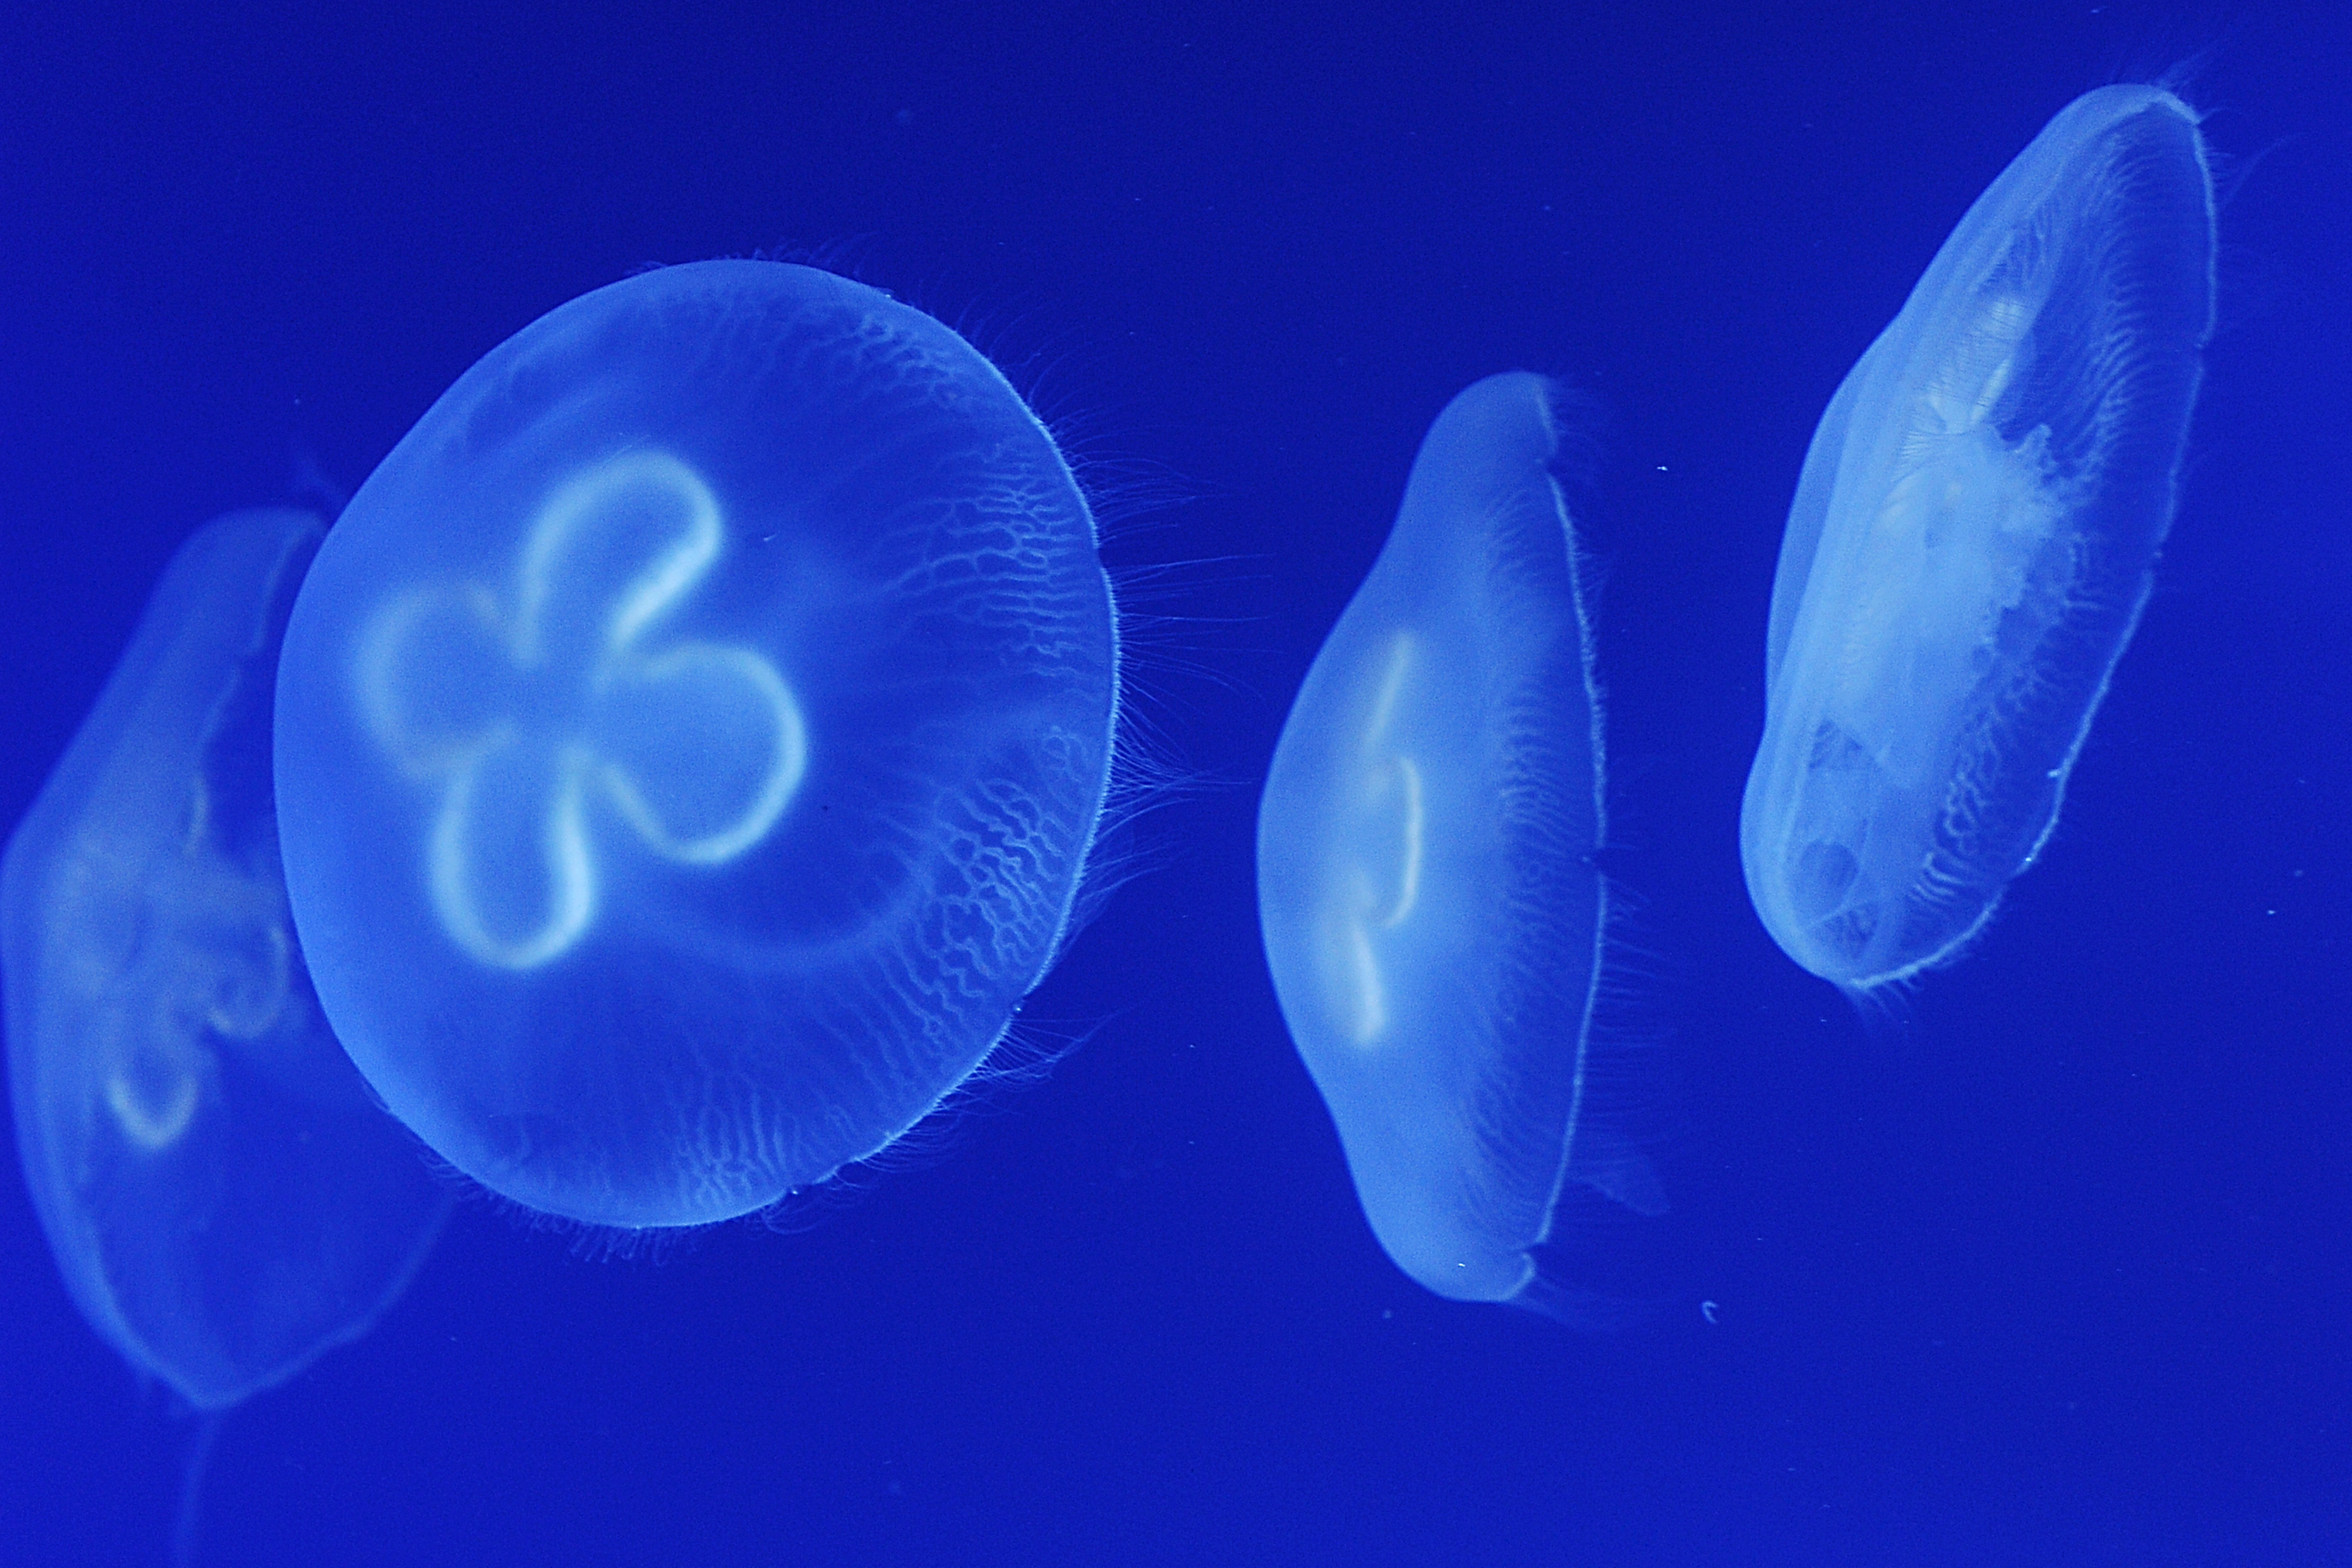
(224, 1201)
(1973, 536)
(1431, 911)
(690, 741)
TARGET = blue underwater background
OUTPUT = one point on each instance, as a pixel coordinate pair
(2054, 1270)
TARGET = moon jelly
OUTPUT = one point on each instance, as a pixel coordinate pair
(223, 1197)
(1431, 911)
(1971, 542)
(689, 740)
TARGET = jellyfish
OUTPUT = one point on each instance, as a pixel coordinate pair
(1432, 914)
(690, 739)
(1973, 539)
(224, 1200)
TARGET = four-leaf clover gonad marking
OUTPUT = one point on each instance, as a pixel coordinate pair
(528, 710)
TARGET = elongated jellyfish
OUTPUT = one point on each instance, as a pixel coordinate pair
(224, 1199)
(1432, 914)
(1973, 537)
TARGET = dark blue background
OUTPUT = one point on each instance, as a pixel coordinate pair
(2056, 1274)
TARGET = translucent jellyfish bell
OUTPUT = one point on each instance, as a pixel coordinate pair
(1973, 535)
(223, 1197)
(1432, 916)
(690, 739)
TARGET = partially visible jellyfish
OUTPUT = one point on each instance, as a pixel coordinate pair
(226, 1201)
(690, 739)
(1973, 539)
(1432, 913)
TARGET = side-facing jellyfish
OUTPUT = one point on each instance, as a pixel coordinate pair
(690, 739)
(1971, 542)
(1432, 914)
(225, 1199)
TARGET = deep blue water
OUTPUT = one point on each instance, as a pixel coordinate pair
(2055, 1272)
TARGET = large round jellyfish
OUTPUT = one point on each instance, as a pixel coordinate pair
(224, 1199)
(690, 739)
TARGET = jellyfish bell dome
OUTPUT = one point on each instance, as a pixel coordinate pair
(1433, 919)
(689, 741)
(223, 1200)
